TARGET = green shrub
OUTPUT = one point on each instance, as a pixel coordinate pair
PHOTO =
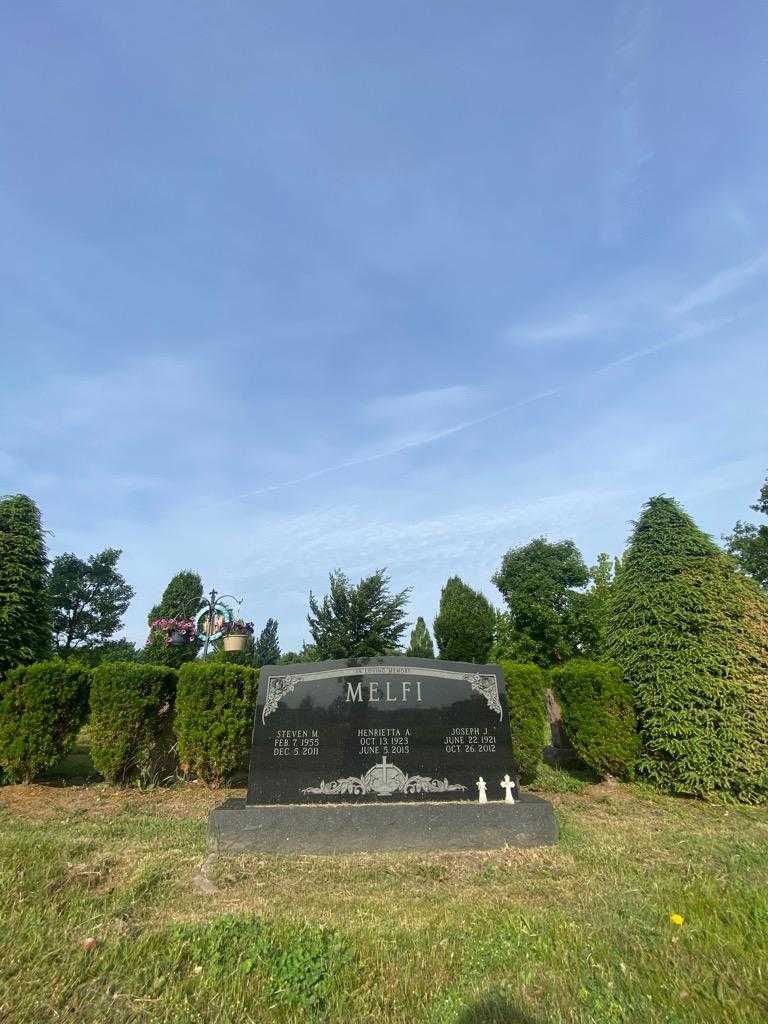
(131, 716)
(42, 708)
(689, 633)
(598, 715)
(527, 715)
(215, 705)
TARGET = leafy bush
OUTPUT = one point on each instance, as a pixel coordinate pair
(527, 715)
(215, 705)
(598, 715)
(131, 715)
(689, 633)
(42, 708)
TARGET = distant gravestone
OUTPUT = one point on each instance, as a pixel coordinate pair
(406, 729)
(381, 754)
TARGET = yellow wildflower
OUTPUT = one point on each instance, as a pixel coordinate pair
(676, 919)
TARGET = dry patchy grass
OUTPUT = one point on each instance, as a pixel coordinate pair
(575, 933)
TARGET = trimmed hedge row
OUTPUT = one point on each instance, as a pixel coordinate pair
(131, 720)
(215, 706)
(142, 715)
(42, 708)
(527, 715)
(597, 709)
(598, 715)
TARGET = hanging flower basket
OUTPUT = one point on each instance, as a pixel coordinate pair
(236, 634)
(177, 631)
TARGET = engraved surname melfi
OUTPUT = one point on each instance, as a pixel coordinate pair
(388, 690)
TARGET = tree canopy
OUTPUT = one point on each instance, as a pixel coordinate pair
(690, 634)
(749, 543)
(25, 618)
(181, 598)
(587, 617)
(357, 620)
(464, 623)
(87, 598)
(538, 582)
(420, 645)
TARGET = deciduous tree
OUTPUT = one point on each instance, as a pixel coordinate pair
(538, 582)
(749, 543)
(88, 598)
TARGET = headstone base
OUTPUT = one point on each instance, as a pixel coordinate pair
(380, 827)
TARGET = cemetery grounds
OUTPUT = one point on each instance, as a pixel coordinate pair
(649, 910)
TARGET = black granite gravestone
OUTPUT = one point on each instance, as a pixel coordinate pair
(383, 729)
(382, 754)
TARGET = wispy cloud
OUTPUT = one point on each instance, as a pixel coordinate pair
(430, 402)
(668, 318)
(572, 325)
(420, 442)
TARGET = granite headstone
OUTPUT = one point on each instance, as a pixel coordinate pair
(382, 729)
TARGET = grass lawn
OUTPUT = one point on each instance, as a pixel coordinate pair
(105, 917)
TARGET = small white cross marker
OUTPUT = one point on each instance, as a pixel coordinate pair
(508, 785)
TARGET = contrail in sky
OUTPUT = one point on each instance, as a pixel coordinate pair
(363, 460)
(683, 336)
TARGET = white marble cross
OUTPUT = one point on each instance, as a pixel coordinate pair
(481, 788)
(508, 785)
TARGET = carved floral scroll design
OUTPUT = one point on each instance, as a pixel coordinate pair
(383, 779)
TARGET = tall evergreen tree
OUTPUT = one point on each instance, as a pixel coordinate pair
(25, 618)
(357, 621)
(691, 635)
(268, 645)
(464, 623)
(421, 642)
(181, 600)
(749, 543)
(87, 599)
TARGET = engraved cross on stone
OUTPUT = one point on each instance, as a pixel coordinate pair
(508, 786)
(387, 770)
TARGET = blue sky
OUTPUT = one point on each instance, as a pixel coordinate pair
(294, 286)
